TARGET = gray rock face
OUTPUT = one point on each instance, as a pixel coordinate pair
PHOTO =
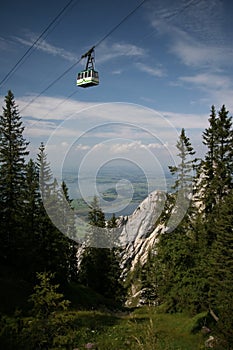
(136, 233)
(139, 232)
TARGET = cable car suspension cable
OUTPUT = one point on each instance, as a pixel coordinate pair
(79, 60)
(34, 44)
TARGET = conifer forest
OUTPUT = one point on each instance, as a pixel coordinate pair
(52, 299)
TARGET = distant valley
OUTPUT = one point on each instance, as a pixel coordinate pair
(112, 181)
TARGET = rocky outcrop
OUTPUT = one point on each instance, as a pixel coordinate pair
(139, 232)
(136, 233)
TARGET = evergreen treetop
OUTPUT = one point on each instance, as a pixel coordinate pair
(13, 150)
(184, 170)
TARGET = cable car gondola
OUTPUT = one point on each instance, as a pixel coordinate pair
(88, 77)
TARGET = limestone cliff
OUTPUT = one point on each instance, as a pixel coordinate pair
(139, 232)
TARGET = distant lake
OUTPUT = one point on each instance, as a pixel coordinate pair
(112, 182)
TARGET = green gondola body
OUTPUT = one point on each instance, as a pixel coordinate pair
(88, 78)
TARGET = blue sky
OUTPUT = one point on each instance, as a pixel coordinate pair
(160, 70)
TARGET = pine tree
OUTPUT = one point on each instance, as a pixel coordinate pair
(207, 171)
(100, 265)
(217, 168)
(92, 263)
(112, 222)
(96, 216)
(53, 245)
(50, 325)
(32, 199)
(178, 277)
(31, 215)
(180, 202)
(13, 150)
(45, 174)
(70, 229)
(224, 154)
(149, 283)
(221, 269)
(184, 170)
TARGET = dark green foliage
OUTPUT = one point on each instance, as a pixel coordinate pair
(191, 268)
(45, 174)
(221, 268)
(57, 252)
(29, 238)
(175, 263)
(67, 211)
(48, 327)
(180, 275)
(100, 264)
(149, 283)
(46, 299)
(216, 168)
(184, 171)
(96, 216)
(112, 223)
(13, 149)
(32, 199)
(30, 241)
(100, 271)
(194, 261)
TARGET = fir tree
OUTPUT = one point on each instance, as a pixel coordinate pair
(184, 170)
(216, 169)
(13, 150)
(31, 214)
(45, 174)
(50, 325)
(96, 216)
(112, 222)
(149, 283)
(180, 202)
(53, 245)
(32, 199)
(177, 273)
(220, 269)
(100, 266)
(70, 229)
(210, 139)
(224, 153)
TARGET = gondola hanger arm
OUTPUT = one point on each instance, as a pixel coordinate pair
(88, 53)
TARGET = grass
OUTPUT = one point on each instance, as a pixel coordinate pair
(145, 328)
(142, 329)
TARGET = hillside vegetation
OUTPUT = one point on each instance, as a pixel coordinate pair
(50, 299)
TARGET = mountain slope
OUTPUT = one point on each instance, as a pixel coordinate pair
(139, 232)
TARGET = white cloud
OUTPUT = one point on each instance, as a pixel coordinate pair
(196, 30)
(187, 121)
(81, 147)
(108, 120)
(112, 51)
(155, 71)
(208, 80)
(110, 130)
(117, 71)
(135, 146)
(126, 147)
(128, 49)
(64, 144)
(121, 148)
(45, 107)
(79, 124)
(223, 96)
(194, 53)
(4, 44)
(218, 88)
(44, 46)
